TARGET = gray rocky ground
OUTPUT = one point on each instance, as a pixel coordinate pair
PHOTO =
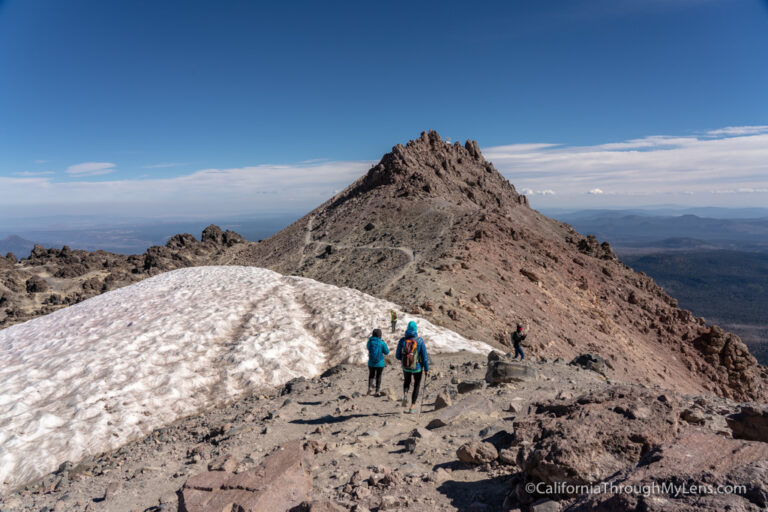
(357, 452)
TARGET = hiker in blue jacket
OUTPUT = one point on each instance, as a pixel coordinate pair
(412, 353)
(377, 349)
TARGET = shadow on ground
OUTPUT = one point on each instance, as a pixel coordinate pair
(490, 492)
(330, 419)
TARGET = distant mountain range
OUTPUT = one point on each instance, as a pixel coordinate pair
(633, 231)
(20, 247)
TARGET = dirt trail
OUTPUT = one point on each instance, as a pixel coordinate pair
(356, 431)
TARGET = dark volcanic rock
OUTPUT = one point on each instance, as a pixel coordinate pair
(468, 386)
(591, 362)
(750, 423)
(591, 246)
(36, 284)
(586, 440)
(732, 369)
(503, 372)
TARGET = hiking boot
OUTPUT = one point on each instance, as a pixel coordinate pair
(412, 410)
(405, 401)
(369, 391)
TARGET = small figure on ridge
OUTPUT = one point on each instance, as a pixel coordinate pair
(517, 340)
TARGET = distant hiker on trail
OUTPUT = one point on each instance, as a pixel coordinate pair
(412, 353)
(377, 349)
(517, 340)
(393, 315)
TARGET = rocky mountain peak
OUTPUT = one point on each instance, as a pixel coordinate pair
(431, 167)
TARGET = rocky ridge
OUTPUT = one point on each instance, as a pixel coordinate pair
(436, 228)
(50, 279)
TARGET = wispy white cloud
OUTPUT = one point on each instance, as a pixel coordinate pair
(531, 192)
(742, 190)
(738, 130)
(33, 173)
(207, 192)
(163, 165)
(727, 167)
(91, 168)
(41, 161)
(655, 168)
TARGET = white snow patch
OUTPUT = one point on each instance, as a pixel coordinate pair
(93, 376)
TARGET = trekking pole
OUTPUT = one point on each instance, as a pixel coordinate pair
(423, 394)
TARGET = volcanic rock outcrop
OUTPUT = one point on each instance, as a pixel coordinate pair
(436, 228)
(50, 279)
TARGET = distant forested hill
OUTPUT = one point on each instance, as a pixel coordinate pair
(725, 287)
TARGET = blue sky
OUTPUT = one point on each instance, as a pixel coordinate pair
(210, 108)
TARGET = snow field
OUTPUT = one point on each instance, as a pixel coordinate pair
(91, 377)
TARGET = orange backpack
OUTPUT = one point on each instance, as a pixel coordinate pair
(410, 358)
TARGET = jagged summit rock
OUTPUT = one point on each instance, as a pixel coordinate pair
(431, 167)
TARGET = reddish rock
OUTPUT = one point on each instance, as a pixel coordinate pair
(697, 463)
(282, 481)
(224, 463)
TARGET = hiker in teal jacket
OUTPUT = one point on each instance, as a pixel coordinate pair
(377, 349)
(413, 366)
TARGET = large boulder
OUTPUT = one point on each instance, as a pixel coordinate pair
(679, 476)
(36, 284)
(500, 372)
(471, 407)
(592, 362)
(282, 481)
(442, 401)
(476, 452)
(729, 366)
(467, 386)
(586, 440)
(751, 422)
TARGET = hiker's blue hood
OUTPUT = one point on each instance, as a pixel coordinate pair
(411, 331)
